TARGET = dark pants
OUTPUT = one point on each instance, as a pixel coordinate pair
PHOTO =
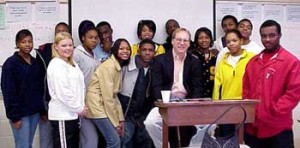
(226, 130)
(284, 139)
(136, 136)
(65, 134)
(186, 134)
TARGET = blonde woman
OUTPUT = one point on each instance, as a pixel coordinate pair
(66, 88)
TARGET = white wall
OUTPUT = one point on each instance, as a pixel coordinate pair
(124, 15)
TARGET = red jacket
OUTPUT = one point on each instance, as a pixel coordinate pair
(277, 85)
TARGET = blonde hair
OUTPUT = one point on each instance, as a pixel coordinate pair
(180, 30)
(59, 37)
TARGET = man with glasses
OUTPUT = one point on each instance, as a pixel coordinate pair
(179, 72)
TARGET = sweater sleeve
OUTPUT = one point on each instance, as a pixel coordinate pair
(10, 92)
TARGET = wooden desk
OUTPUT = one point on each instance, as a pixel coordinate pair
(203, 112)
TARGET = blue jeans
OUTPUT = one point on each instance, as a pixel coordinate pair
(136, 136)
(46, 139)
(88, 136)
(25, 134)
(109, 132)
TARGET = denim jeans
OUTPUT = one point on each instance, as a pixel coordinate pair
(88, 136)
(109, 132)
(25, 134)
(136, 136)
(45, 131)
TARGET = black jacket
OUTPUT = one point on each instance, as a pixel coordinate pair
(22, 87)
(162, 75)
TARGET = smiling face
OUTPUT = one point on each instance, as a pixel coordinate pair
(64, 48)
(245, 29)
(124, 51)
(234, 43)
(146, 33)
(90, 40)
(181, 41)
(204, 40)
(25, 45)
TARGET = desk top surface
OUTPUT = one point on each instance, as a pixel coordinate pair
(200, 102)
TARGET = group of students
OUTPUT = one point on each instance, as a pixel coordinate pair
(105, 89)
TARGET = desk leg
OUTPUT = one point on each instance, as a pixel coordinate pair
(241, 134)
(165, 135)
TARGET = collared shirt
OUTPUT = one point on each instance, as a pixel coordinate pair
(178, 90)
(100, 54)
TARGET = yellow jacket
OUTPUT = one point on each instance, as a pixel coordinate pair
(159, 49)
(101, 98)
(229, 79)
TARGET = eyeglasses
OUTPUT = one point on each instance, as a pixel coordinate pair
(179, 40)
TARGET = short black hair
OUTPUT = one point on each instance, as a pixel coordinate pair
(229, 17)
(149, 23)
(269, 23)
(115, 50)
(22, 34)
(147, 41)
(103, 23)
(206, 31)
(84, 27)
(235, 31)
(246, 20)
(63, 24)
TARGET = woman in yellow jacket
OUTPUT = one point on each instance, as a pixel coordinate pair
(230, 71)
(146, 30)
(104, 108)
(229, 74)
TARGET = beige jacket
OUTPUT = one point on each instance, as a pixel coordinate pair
(101, 98)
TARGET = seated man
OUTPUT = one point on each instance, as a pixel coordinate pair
(179, 72)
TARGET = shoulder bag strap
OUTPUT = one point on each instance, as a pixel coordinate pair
(226, 111)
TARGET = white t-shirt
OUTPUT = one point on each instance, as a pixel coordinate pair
(233, 60)
(250, 47)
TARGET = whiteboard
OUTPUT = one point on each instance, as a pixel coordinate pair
(124, 15)
(42, 31)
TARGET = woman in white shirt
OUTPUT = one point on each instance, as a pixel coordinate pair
(66, 88)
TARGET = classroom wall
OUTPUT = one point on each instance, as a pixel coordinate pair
(124, 15)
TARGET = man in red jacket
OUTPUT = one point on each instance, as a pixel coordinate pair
(273, 77)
